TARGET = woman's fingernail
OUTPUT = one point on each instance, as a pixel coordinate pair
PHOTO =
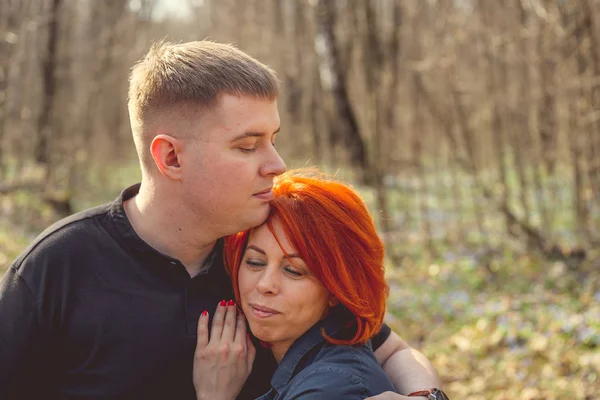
(222, 303)
(231, 303)
(204, 313)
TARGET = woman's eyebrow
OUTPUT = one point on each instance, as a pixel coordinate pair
(261, 251)
(255, 248)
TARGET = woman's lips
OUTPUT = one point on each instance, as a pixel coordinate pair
(262, 312)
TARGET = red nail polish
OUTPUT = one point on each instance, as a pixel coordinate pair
(231, 303)
(222, 303)
(204, 313)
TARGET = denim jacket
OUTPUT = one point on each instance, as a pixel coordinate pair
(313, 368)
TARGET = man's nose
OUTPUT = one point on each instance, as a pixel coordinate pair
(274, 165)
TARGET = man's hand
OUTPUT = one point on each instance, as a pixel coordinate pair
(394, 396)
(223, 362)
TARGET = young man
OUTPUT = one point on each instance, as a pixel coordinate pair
(105, 303)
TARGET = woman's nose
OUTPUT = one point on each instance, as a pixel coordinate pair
(267, 283)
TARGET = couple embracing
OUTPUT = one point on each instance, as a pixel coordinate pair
(150, 296)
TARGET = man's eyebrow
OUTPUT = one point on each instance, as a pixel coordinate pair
(252, 134)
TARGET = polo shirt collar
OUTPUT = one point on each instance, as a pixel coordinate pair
(129, 238)
(301, 347)
(152, 258)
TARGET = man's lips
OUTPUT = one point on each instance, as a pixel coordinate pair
(266, 194)
(262, 312)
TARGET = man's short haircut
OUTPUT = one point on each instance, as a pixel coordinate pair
(171, 76)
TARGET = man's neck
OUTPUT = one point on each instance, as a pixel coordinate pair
(160, 224)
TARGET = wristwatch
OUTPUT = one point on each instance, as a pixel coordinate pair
(432, 394)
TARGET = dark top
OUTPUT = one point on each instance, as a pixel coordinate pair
(89, 310)
(315, 369)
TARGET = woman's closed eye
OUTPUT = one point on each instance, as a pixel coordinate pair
(254, 263)
(293, 272)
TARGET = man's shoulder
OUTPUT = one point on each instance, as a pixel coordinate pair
(74, 222)
(65, 235)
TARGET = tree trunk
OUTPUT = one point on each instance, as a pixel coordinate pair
(349, 128)
(49, 60)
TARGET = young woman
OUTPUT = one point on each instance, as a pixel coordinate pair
(311, 284)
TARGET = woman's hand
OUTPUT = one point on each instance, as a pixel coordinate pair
(223, 362)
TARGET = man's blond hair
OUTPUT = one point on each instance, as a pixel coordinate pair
(174, 76)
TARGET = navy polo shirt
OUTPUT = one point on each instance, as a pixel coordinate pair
(91, 311)
(315, 369)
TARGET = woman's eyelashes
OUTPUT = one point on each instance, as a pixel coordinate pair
(294, 273)
(254, 264)
(290, 270)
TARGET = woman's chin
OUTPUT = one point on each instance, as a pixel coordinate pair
(262, 334)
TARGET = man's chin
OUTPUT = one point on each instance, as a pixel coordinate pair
(258, 219)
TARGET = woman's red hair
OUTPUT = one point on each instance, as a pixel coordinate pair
(330, 227)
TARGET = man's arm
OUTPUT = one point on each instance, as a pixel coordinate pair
(407, 368)
(20, 347)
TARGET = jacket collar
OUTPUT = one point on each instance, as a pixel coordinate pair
(313, 338)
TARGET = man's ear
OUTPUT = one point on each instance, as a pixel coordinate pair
(165, 150)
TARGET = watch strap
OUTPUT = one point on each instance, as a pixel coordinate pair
(431, 394)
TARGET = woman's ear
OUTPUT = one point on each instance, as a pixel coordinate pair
(333, 301)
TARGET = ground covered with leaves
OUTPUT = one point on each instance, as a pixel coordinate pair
(529, 331)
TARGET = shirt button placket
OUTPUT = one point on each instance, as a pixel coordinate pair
(191, 320)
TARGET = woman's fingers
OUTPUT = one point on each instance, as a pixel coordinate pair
(251, 352)
(202, 330)
(216, 329)
(240, 330)
(230, 322)
(223, 363)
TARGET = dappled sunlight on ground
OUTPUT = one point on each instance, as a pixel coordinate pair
(522, 337)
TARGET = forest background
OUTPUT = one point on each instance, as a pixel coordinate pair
(472, 128)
